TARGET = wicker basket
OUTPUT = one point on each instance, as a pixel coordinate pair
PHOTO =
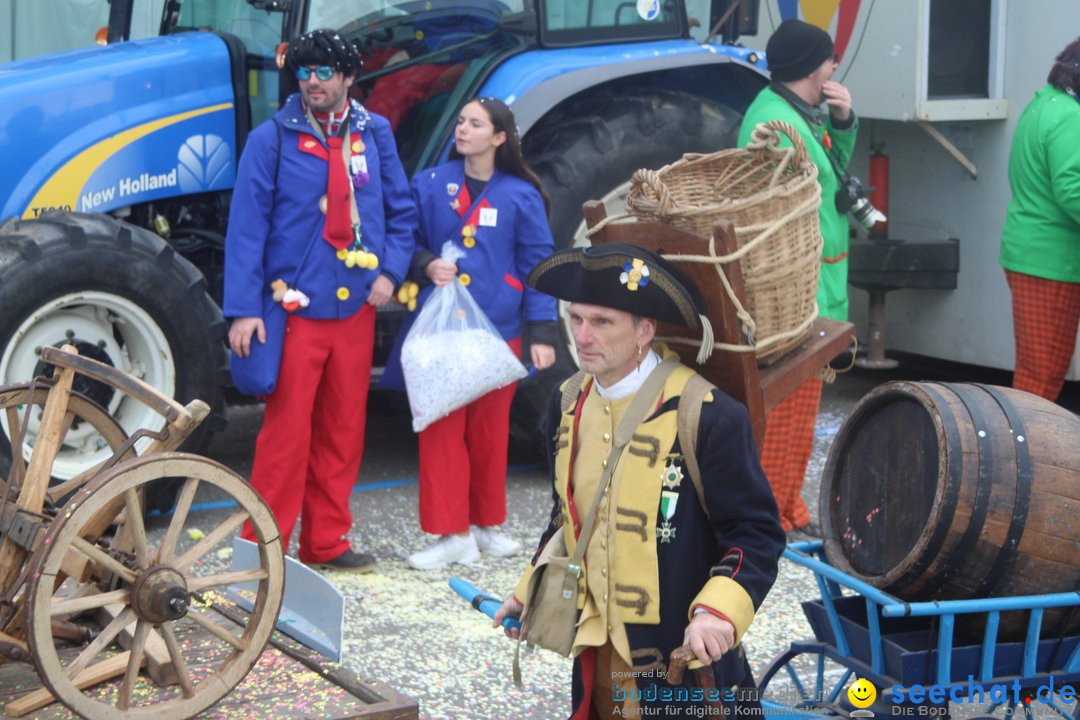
(771, 194)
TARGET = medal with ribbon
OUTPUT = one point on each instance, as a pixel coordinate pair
(669, 499)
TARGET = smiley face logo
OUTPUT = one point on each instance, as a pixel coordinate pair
(862, 693)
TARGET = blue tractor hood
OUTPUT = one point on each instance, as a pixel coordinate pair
(97, 129)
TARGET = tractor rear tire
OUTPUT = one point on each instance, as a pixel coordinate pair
(589, 150)
(121, 295)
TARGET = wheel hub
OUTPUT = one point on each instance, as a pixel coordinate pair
(159, 595)
(99, 392)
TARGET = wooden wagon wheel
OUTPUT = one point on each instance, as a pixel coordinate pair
(84, 419)
(87, 423)
(159, 600)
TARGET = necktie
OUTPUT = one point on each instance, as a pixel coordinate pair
(338, 228)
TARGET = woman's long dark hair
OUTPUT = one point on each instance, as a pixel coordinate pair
(508, 156)
(1065, 74)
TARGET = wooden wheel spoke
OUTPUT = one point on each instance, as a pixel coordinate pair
(103, 559)
(203, 582)
(65, 425)
(134, 518)
(207, 624)
(102, 641)
(69, 486)
(176, 525)
(18, 466)
(211, 540)
(90, 602)
(123, 700)
(179, 663)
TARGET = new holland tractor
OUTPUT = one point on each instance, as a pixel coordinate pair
(119, 160)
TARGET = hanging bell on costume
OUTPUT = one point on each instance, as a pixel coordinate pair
(407, 294)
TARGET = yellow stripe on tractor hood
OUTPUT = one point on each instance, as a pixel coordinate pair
(63, 187)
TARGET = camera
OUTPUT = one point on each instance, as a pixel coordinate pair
(853, 198)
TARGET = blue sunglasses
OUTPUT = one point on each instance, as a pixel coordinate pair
(323, 72)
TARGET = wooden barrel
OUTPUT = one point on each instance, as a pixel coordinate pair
(938, 491)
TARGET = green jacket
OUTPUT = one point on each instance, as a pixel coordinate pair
(832, 295)
(1042, 227)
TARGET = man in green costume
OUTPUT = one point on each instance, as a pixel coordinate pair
(801, 61)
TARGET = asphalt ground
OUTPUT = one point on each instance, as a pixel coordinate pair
(408, 629)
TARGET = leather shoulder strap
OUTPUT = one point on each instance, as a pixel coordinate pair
(570, 391)
(687, 420)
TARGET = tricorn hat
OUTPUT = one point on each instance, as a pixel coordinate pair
(625, 277)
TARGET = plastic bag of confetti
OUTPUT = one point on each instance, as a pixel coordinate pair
(453, 354)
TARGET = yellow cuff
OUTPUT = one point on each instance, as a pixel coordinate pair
(522, 587)
(728, 597)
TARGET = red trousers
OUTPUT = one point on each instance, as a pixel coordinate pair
(463, 464)
(789, 440)
(308, 452)
(1046, 315)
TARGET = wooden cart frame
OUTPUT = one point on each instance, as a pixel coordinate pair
(86, 592)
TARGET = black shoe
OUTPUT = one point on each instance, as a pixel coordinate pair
(348, 561)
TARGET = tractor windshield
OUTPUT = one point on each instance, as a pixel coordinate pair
(422, 58)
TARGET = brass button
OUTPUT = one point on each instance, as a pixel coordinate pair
(343, 293)
(604, 463)
(603, 571)
(607, 437)
(607, 409)
(464, 279)
(605, 602)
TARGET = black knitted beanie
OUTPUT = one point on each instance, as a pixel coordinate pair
(796, 49)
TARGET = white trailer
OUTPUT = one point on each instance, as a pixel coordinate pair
(940, 84)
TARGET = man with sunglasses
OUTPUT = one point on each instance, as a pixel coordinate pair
(802, 60)
(320, 234)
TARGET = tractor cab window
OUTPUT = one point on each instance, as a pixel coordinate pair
(260, 32)
(588, 22)
(422, 59)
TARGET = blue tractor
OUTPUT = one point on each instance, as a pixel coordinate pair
(119, 160)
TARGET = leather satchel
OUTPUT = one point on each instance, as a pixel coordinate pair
(551, 609)
(550, 615)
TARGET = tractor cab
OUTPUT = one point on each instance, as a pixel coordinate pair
(422, 58)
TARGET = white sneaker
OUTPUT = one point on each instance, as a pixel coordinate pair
(447, 549)
(493, 542)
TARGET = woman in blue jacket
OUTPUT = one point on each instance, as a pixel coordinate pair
(488, 202)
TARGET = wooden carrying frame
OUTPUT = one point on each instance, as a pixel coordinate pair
(736, 373)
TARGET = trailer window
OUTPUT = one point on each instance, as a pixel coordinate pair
(587, 22)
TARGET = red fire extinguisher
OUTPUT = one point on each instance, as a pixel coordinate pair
(879, 196)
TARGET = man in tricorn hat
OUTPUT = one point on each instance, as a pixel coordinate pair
(660, 571)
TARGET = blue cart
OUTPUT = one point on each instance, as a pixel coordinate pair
(908, 650)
